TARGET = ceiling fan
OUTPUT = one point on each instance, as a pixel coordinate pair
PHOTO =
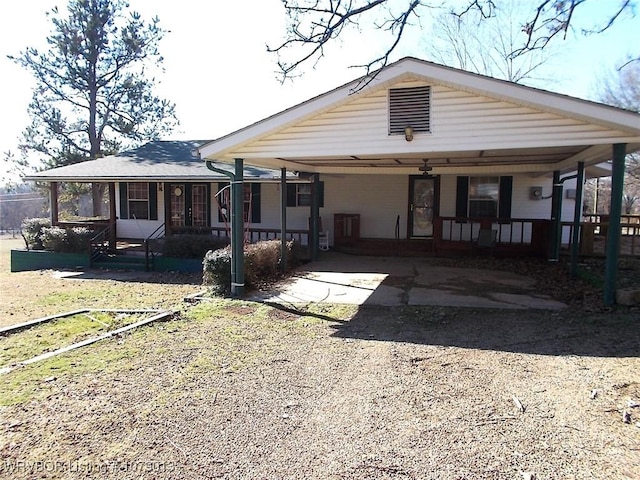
(425, 169)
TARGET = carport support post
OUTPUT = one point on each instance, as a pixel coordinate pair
(315, 217)
(53, 199)
(237, 225)
(283, 220)
(577, 217)
(237, 229)
(556, 217)
(613, 233)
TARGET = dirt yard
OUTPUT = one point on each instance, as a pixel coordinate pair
(240, 390)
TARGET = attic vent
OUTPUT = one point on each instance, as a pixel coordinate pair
(409, 107)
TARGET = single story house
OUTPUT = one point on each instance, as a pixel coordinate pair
(419, 155)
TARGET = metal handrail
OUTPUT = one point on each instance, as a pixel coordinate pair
(97, 244)
(149, 254)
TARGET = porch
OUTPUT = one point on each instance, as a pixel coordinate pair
(452, 236)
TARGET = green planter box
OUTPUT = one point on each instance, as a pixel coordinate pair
(172, 264)
(25, 260)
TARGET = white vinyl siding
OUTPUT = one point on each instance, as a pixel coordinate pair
(459, 121)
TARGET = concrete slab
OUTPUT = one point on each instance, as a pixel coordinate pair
(389, 281)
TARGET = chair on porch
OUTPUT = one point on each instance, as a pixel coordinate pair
(486, 239)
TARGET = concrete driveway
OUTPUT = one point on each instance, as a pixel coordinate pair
(340, 278)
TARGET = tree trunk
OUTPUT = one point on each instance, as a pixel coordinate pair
(97, 192)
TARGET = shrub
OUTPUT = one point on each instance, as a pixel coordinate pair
(70, 240)
(261, 265)
(191, 246)
(32, 232)
(217, 270)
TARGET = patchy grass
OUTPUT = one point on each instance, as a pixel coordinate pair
(29, 295)
(238, 336)
(46, 337)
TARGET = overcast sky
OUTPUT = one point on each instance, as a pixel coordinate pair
(221, 77)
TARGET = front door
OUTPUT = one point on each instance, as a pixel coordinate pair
(188, 205)
(422, 206)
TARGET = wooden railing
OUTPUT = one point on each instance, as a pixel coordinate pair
(512, 235)
(593, 236)
(251, 235)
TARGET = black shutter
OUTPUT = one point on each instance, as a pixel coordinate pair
(153, 201)
(291, 194)
(255, 203)
(462, 197)
(506, 188)
(124, 204)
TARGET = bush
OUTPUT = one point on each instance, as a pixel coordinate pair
(217, 270)
(261, 265)
(191, 246)
(32, 232)
(70, 240)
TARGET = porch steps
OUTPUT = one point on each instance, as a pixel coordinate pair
(121, 262)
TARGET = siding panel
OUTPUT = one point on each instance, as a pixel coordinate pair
(460, 121)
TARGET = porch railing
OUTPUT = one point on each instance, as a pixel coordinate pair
(593, 236)
(252, 235)
(516, 234)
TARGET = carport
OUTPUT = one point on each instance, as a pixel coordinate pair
(416, 117)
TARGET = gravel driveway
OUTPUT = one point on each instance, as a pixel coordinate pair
(250, 391)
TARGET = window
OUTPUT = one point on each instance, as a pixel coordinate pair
(484, 197)
(139, 200)
(300, 194)
(484, 194)
(409, 107)
(251, 200)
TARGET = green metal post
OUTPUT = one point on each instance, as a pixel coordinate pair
(283, 220)
(577, 217)
(556, 217)
(315, 217)
(237, 240)
(613, 233)
(237, 229)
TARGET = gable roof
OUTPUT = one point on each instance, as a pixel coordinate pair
(479, 123)
(153, 161)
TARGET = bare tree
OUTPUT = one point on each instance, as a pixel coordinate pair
(314, 24)
(486, 45)
(621, 89)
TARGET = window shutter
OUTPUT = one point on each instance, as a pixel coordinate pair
(506, 191)
(409, 107)
(462, 196)
(153, 201)
(255, 203)
(291, 194)
(321, 195)
(124, 204)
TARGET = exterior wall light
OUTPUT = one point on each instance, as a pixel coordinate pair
(408, 133)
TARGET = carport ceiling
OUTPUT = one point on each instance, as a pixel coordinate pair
(533, 160)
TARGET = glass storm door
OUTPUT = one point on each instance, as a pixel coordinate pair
(421, 206)
(189, 206)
